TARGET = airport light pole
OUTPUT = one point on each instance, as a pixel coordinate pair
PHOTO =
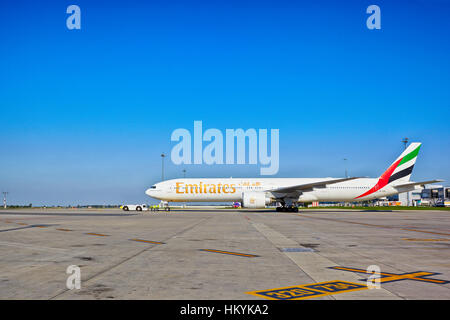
(162, 166)
(345, 162)
(405, 141)
(4, 198)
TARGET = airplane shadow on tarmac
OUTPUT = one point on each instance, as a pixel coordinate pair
(273, 211)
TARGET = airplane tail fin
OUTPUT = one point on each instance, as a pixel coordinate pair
(400, 170)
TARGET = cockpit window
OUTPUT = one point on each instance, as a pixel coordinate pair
(153, 187)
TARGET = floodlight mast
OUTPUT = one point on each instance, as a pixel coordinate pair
(4, 198)
(162, 166)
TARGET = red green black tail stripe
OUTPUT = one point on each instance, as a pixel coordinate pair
(387, 177)
(401, 174)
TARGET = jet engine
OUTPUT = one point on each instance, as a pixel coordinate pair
(255, 200)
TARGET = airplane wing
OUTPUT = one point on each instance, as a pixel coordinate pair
(410, 184)
(309, 186)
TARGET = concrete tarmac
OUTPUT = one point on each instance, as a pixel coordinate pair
(223, 253)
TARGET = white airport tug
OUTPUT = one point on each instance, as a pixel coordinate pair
(163, 205)
(134, 207)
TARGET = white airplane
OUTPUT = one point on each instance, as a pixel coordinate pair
(259, 192)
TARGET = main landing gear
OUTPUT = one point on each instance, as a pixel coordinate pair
(287, 209)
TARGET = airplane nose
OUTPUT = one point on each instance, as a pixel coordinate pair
(148, 192)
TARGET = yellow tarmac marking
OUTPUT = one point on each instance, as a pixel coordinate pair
(439, 233)
(387, 277)
(97, 234)
(60, 229)
(147, 241)
(308, 291)
(232, 253)
(413, 239)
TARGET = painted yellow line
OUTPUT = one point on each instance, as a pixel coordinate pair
(308, 291)
(431, 232)
(362, 271)
(413, 239)
(232, 253)
(60, 229)
(22, 224)
(147, 241)
(412, 276)
(394, 277)
(97, 234)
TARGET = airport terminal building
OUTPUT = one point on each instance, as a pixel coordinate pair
(431, 195)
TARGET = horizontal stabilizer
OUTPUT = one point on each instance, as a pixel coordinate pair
(306, 186)
(410, 184)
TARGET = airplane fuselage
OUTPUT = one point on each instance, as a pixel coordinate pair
(232, 189)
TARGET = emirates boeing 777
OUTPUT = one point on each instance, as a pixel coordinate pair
(259, 192)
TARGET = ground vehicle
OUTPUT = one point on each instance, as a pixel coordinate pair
(159, 207)
(134, 207)
(439, 204)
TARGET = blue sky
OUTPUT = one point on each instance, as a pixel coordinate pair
(85, 114)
